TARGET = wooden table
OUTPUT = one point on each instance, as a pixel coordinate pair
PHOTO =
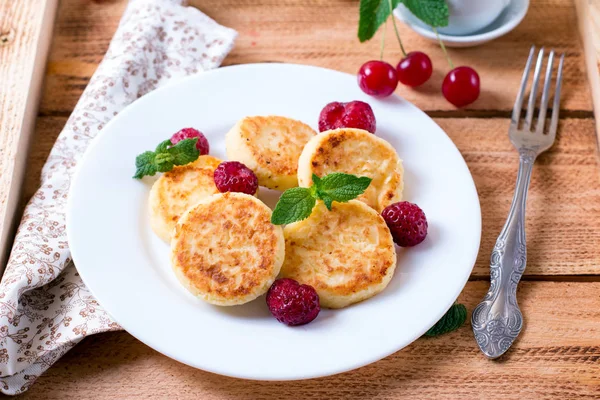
(558, 353)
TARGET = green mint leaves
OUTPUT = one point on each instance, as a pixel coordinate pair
(373, 13)
(339, 187)
(165, 157)
(296, 204)
(433, 12)
(453, 319)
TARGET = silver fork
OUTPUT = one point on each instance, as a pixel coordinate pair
(497, 320)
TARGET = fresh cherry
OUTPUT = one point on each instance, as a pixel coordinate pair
(377, 78)
(461, 86)
(415, 69)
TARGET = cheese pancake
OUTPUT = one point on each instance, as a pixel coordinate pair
(175, 191)
(225, 249)
(347, 254)
(270, 146)
(357, 152)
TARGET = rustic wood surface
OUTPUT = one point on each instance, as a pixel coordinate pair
(564, 198)
(558, 354)
(588, 17)
(25, 32)
(556, 357)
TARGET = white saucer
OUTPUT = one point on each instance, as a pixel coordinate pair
(512, 15)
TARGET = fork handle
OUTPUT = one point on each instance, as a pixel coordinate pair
(497, 320)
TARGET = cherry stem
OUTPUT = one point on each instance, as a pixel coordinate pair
(382, 41)
(396, 28)
(443, 48)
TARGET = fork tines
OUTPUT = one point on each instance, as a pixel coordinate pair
(541, 120)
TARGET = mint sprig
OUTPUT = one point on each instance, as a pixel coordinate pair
(454, 318)
(339, 187)
(373, 13)
(434, 13)
(294, 204)
(165, 157)
(297, 204)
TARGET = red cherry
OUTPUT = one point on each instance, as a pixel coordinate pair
(415, 69)
(377, 78)
(461, 86)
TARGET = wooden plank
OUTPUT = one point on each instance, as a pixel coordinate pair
(563, 216)
(563, 213)
(588, 12)
(323, 32)
(25, 32)
(556, 357)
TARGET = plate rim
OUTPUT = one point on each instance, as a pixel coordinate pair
(334, 371)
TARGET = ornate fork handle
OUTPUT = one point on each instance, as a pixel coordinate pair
(497, 320)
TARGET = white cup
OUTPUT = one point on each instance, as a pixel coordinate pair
(468, 16)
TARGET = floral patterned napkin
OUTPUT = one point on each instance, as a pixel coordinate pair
(45, 308)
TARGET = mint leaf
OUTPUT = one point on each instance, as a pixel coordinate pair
(342, 187)
(144, 165)
(373, 13)
(165, 157)
(327, 200)
(316, 180)
(163, 146)
(433, 12)
(294, 205)
(297, 204)
(164, 162)
(453, 319)
(184, 152)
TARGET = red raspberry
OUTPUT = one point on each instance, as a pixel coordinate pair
(292, 303)
(191, 133)
(233, 176)
(407, 223)
(355, 114)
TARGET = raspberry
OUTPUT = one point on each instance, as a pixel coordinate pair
(355, 114)
(292, 303)
(233, 176)
(191, 133)
(407, 223)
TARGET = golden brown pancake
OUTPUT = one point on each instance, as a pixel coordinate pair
(357, 152)
(175, 191)
(270, 146)
(225, 249)
(347, 254)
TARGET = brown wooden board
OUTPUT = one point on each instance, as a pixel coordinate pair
(25, 32)
(323, 33)
(563, 216)
(588, 18)
(556, 357)
(558, 354)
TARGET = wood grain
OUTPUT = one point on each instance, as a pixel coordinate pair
(556, 357)
(323, 32)
(588, 12)
(563, 217)
(25, 28)
(558, 354)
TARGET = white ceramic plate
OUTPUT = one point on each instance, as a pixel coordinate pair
(127, 267)
(512, 16)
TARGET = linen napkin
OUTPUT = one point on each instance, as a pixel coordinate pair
(45, 308)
